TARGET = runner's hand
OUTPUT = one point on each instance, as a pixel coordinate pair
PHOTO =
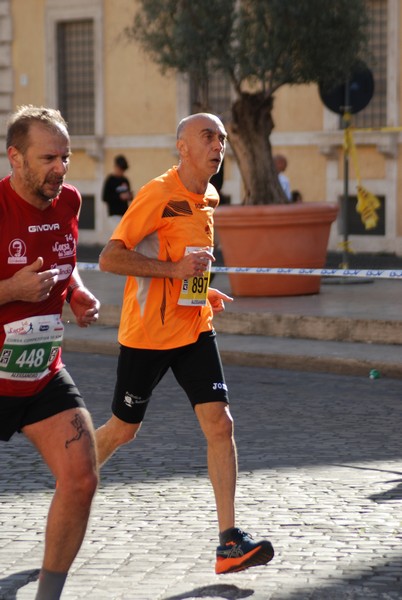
(193, 264)
(29, 284)
(217, 299)
(84, 306)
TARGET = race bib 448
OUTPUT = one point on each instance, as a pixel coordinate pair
(30, 347)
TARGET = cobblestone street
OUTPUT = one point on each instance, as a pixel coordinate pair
(320, 474)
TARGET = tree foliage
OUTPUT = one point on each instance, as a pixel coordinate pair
(260, 45)
(264, 43)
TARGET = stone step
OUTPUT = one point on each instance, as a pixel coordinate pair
(329, 328)
(347, 358)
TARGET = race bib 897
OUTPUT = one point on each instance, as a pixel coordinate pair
(194, 291)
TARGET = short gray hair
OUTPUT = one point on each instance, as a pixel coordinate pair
(20, 121)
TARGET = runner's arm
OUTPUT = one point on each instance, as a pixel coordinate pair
(116, 258)
(83, 303)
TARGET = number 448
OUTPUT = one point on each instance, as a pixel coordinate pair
(31, 358)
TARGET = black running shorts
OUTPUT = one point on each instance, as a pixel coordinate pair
(59, 394)
(197, 368)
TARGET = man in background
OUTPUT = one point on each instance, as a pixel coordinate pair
(281, 165)
(117, 191)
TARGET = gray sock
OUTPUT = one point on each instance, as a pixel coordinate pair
(229, 535)
(50, 585)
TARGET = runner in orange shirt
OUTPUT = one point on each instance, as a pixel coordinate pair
(164, 246)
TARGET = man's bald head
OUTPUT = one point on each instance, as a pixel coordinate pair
(201, 144)
(193, 120)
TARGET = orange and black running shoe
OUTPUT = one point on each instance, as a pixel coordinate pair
(242, 552)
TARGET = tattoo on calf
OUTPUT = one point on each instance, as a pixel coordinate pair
(78, 424)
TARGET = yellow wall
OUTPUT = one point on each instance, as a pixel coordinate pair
(138, 101)
(399, 214)
(306, 170)
(370, 163)
(82, 166)
(145, 164)
(306, 165)
(140, 107)
(28, 51)
(399, 161)
(298, 108)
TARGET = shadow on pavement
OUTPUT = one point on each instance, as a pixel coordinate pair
(302, 440)
(10, 585)
(282, 420)
(394, 493)
(365, 587)
(231, 592)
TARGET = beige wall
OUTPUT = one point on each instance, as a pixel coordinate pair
(138, 109)
(298, 108)
(370, 164)
(82, 166)
(28, 49)
(144, 164)
(306, 166)
(138, 101)
(399, 183)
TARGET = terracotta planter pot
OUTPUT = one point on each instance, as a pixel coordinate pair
(290, 236)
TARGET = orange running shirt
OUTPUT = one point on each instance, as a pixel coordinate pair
(161, 222)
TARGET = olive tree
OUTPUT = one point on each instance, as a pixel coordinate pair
(259, 45)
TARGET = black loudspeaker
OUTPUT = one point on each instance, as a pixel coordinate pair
(356, 93)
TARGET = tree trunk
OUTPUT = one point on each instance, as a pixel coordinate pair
(249, 134)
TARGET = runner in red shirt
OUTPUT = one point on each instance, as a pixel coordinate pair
(38, 237)
(164, 246)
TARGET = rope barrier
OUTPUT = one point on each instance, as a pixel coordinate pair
(83, 266)
(372, 273)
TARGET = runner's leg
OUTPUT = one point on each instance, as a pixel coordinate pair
(198, 369)
(113, 434)
(217, 425)
(67, 445)
(138, 372)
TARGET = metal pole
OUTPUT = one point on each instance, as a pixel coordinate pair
(345, 203)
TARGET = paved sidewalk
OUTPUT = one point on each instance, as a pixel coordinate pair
(349, 327)
(320, 460)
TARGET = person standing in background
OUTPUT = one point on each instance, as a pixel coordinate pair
(117, 191)
(281, 165)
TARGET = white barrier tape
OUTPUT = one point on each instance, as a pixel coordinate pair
(372, 273)
(82, 266)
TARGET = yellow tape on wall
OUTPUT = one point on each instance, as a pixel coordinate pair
(367, 204)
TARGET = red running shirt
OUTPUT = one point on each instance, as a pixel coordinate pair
(26, 233)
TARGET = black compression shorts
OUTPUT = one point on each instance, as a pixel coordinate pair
(59, 394)
(197, 368)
